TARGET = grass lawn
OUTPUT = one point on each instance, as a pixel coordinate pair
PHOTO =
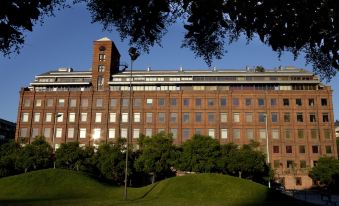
(62, 187)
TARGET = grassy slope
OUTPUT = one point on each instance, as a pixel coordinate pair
(62, 187)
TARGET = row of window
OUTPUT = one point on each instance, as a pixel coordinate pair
(186, 117)
(198, 102)
(249, 133)
(292, 165)
(302, 149)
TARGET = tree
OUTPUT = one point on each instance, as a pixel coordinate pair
(294, 26)
(326, 171)
(8, 158)
(157, 156)
(226, 152)
(199, 154)
(36, 155)
(73, 157)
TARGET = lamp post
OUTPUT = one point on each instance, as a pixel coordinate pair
(53, 137)
(134, 54)
(267, 148)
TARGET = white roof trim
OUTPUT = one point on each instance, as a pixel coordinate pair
(104, 39)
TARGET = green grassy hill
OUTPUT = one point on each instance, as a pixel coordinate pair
(62, 187)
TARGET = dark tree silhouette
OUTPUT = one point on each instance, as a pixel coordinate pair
(297, 26)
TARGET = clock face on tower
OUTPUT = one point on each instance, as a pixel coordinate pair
(102, 48)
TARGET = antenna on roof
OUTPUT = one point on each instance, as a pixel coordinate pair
(181, 69)
(148, 68)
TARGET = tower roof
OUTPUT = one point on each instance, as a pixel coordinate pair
(104, 39)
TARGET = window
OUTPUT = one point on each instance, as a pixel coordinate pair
(24, 117)
(113, 103)
(223, 133)
(61, 102)
(96, 133)
(174, 117)
(23, 132)
(47, 132)
(315, 149)
(161, 117)
(112, 117)
(35, 132)
(290, 164)
(136, 133)
(101, 68)
(249, 133)
(286, 102)
(48, 117)
(100, 82)
(298, 102)
(302, 164)
(70, 133)
(314, 133)
(198, 102)
(27, 102)
(325, 117)
(186, 117)
(249, 117)
(137, 117)
(125, 102)
(276, 163)
(148, 132)
(38, 103)
(274, 117)
(327, 134)
(197, 131)
(300, 133)
(223, 117)
(235, 102)
(328, 149)
(149, 102)
(261, 102)
(236, 133)
(49, 102)
(161, 102)
(275, 149)
(288, 149)
(137, 102)
(210, 117)
(323, 102)
(60, 117)
(84, 102)
(236, 117)
(71, 117)
(102, 57)
(37, 117)
(83, 117)
(275, 133)
(211, 133)
(262, 133)
(287, 134)
(58, 132)
(124, 117)
(248, 102)
(173, 102)
(223, 102)
(300, 117)
(82, 133)
(149, 117)
(98, 117)
(123, 133)
(287, 117)
(273, 102)
(185, 133)
(72, 102)
(186, 102)
(198, 117)
(302, 149)
(111, 133)
(98, 103)
(210, 102)
(174, 132)
(312, 117)
(262, 117)
(311, 102)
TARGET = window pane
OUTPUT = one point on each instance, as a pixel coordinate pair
(98, 117)
(111, 133)
(223, 133)
(236, 117)
(249, 117)
(223, 117)
(236, 133)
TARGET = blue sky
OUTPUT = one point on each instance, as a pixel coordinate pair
(66, 41)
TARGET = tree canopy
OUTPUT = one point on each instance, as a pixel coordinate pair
(302, 26)
(326, 171)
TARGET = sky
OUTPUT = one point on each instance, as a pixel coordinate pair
(66, 41)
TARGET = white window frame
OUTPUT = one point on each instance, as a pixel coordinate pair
(82, 133)
(112, 117)
(71, 117)
(98, 117)
(111, 133)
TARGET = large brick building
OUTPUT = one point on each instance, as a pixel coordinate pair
(228, 105)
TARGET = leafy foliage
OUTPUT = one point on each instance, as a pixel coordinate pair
(8, 157)
(326, 171)
(157, 155)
